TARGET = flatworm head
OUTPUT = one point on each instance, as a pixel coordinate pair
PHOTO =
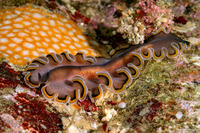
(70, 78)
(28, 32)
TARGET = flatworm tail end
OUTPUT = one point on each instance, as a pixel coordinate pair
(163, 43)
(69, 78)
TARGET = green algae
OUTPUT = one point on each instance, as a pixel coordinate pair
(157, 82)
(5, 104)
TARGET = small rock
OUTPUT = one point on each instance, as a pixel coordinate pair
(144, 111)
(122, 105)
(179, 115)
(198, 118)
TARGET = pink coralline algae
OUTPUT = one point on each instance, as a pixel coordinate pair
(138, 22)
(185, 73)
(152, 13)
(195, 14)
(179, 10)
(193, 33)
(189, 8)
(6, 120)
(108, 21)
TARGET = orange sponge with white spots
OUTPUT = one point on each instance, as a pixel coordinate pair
(27, 32)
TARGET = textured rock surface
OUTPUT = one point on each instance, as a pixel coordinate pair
(165, 97)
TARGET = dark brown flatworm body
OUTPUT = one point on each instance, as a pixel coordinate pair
(69, 78)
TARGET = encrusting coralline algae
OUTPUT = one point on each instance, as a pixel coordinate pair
(165, 97)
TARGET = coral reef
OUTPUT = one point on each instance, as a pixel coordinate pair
(137, 22)
(164, 98)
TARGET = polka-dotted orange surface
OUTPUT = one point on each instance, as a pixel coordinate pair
(27, 32)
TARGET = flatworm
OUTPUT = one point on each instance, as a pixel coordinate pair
(69, 78)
